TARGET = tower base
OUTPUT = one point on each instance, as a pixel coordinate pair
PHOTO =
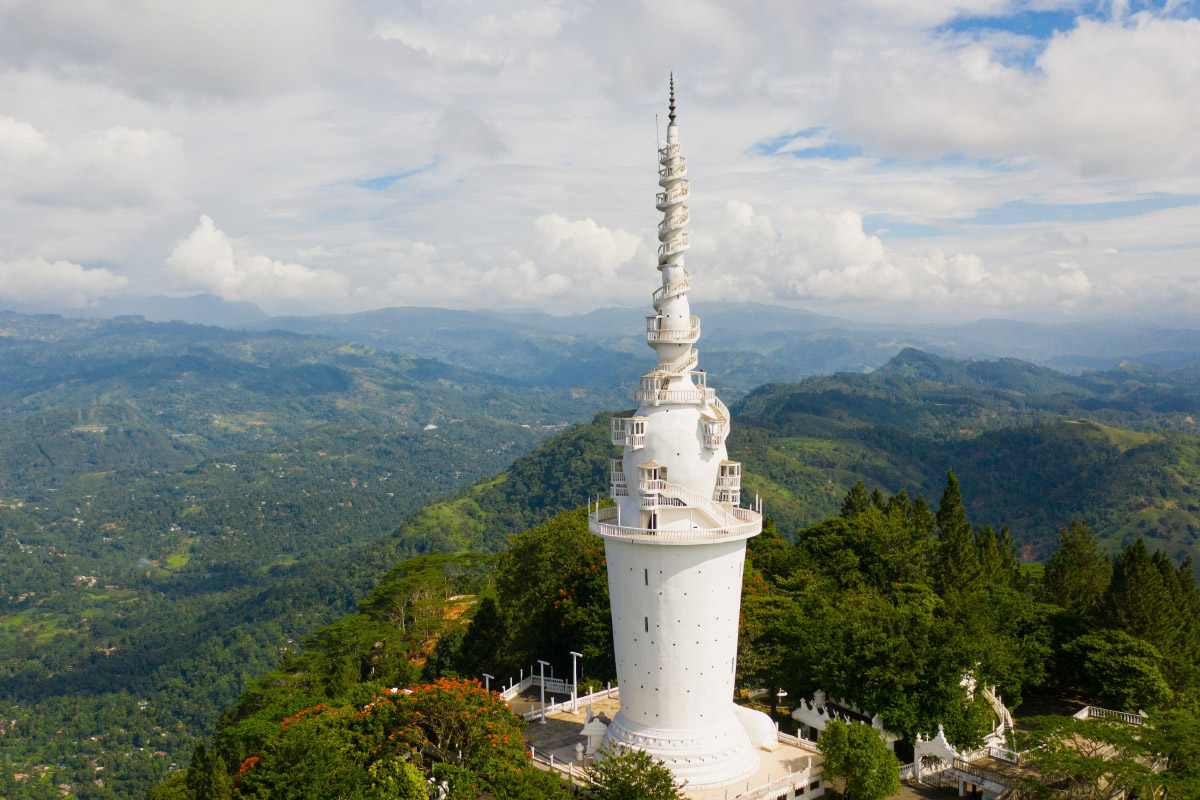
(708, 757)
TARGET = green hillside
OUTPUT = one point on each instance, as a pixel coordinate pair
(179, 503)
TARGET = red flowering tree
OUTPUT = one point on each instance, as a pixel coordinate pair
(450, 721)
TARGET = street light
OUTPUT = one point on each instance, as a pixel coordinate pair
(574, 682)
(542, 686)
(487, 681)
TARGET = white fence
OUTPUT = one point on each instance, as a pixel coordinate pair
(1092, 712)
(553, 685)
(798, 741)
(565, 705)
(793, 780)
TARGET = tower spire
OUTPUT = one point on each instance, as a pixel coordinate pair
(671, 116)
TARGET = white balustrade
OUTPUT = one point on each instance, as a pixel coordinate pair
(603, 523)
(677, 169)
(676, 220)
(674, 195)
(676, 244)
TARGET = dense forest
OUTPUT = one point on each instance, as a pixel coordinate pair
(179, 503)
(888, 604)
(186, 504)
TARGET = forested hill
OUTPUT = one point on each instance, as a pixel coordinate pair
(1023, 439)
(179, 502)
(1036, 447)
(884, 576)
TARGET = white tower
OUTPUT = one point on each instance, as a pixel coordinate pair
(676, 541)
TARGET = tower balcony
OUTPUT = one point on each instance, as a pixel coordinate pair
(629, 432)
(676, 245)
(742, 524)
(692, 396)
(669, 151)
(656, 333)
(676, 220)
(729, 482)
(715, 431)
(618, 486)
(676, 170)
(675, 196)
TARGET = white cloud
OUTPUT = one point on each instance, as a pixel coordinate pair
(526, 145)
(210, 261)
(218, 47)
(56, 283)
(119, 166)
(816, 256)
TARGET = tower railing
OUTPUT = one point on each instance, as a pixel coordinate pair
(672, 196)
(669, 151)
(647, 397)
(672, 289)
(676, 220)
(676, 244)
(682, 497)
(675, 170)
(656, 333)
(605, 523)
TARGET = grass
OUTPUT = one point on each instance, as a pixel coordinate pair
(177, 561)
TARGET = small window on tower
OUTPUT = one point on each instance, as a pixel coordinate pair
(647, 619)
(647, 577)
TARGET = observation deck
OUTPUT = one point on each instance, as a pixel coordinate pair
(743, 524)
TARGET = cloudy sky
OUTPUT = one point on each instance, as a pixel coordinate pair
(915, 159)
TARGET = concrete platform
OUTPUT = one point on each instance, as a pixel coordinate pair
(561, 732)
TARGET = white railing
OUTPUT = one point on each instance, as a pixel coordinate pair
(651, 382)
(729, 481)
(673, 396)
(565, 705)
(517, 688)
(787, 782)
(668, 151)
(674, 221)
(1004, 754)
(998, 708)
(556, 685)
(604, 523)
(1093, 712)
(798, 741)
(576, 775)
(623, 436)
(671, 289)
(656, 333)
(678, 169)
(907, 771)
(685, 497)
(714, 434)
(722, 410)
(677, 194)
(675, 244)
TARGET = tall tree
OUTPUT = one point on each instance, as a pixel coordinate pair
(1138, 600)
(857, 500)
(957, 565)
(1078, 573)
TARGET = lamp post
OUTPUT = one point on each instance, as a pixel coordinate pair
(574, 682)
(542, 686)
(487, 681)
